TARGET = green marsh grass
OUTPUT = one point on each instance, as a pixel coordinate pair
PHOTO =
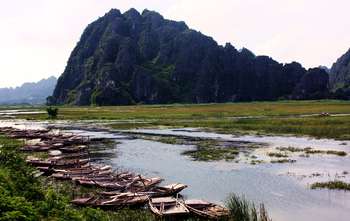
(242, 210)
(332, 185)
(210, 150)
(283, 117)
(283, 161)
(278, 155)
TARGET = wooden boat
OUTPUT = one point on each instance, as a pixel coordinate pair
(149, 182)
(85, 172)
(167, 206)
(55, 153)
(75, 149)
(35, 148)
(104, 167)
(121, 199)
(83, 201)
(56, 163)
(206, 209)
(126, 176)
(82, 175)
(83, 166)
(39, 162)
(75, 140)
(88, 183)
(111, 185)
(140, 184)
(168, 190)
(157, 191)
(73, 155)
(75, 169)
(46, 170)
(97, 179)
(132, 184)
(61, 176)
(126, 199)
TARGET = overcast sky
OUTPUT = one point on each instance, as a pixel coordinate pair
(37, 36)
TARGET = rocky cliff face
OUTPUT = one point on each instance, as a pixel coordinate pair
(313, 85)
(143, 58)
(340, 77)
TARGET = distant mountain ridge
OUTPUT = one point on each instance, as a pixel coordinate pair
(143, 58)
(28, 93)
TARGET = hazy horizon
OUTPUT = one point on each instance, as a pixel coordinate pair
(40, 35)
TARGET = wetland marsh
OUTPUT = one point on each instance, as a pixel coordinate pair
(268, 152)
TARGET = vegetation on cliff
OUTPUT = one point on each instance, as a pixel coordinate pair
(133, 58)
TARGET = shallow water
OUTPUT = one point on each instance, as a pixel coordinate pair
(19, 112)
(274, 141)
(282, 187)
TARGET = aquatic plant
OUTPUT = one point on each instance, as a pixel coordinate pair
(210, 150)
(335, 152)
(290, 149)
(330, 152)
(242, 210)
(283, 161)
(309, 150)
(278, 155)
(332, 185)
(254, 162)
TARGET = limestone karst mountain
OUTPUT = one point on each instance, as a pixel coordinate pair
(143, 58)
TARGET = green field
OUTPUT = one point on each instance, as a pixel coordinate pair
(198, 111)
(285, 117)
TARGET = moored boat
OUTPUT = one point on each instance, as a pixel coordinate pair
(55, 162)
(118, 200)
(206, 209)
(141, 184)
(168, 190)
(167, 206)
(73, 149)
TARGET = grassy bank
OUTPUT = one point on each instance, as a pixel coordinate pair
(285, 117)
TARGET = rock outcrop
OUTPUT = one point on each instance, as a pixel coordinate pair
(340, 77)
(313, 85)
(143, 58)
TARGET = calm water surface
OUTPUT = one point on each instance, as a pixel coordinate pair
(286, 196)
(282, 187)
